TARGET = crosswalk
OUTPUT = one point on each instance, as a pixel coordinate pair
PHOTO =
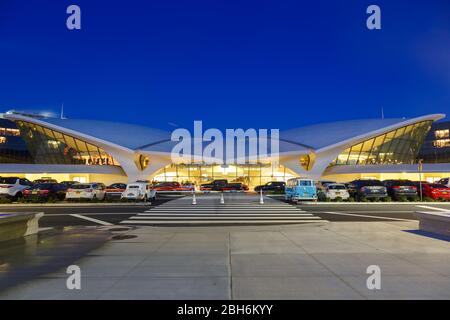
(209, 211)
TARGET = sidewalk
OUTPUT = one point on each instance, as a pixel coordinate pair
(267, 262)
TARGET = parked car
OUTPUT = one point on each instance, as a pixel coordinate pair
(68, 184)
(88, 191)
(367, 189)
(215, 185)
(435, 191)
(13, 187)
(272, 186)
(45, 180)
(167, 186)
(336, 190)
(235, 187)
(141, 191)
(115, 190)
(187, 186)
(444, 181)
(400, 188)
(46, 191)
(300, 189)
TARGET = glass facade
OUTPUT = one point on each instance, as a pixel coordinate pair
(399, 146)
(48, 146)
(436, 148)
(12, 147)
(251, 175)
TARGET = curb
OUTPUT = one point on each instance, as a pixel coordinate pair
(373, 203)
(83, 204)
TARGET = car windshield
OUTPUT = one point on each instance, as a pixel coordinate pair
(304, 183)
(42, 186)
(133, 187)
(8, 180)
(164, 184)
(436, 185)
(81, 186)
(336, 187)
(402, 183)
(371, 183)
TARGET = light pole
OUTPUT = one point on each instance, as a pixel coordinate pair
(420, 165)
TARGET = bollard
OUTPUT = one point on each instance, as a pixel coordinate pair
(194, 200)
(261, 198)
(222, 200)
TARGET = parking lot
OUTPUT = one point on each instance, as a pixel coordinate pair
(179, 210)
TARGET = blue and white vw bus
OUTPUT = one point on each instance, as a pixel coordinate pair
(300, 189)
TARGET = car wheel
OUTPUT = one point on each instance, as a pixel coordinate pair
(17, 196)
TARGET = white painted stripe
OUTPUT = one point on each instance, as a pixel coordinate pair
(92, 219)
(92, 214)
(434, 208)
(367, 216)
(224, 218)
(218, 222)
(224, 209)
(189, 205)
(225, 215)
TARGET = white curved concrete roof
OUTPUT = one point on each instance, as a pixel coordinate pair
(123, 134)
(326, 134)
(315, 137)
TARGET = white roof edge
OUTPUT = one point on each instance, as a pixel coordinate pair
(371, 134)
(66, 130)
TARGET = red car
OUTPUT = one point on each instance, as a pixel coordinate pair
(436, 191)
(115, 190)
(168, 186)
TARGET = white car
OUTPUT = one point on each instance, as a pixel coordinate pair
(12, 187)
(334, 190)
(88, 191)
(139, 191)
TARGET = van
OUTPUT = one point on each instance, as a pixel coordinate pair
(300, 189)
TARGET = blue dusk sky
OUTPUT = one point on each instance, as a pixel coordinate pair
(234, 63)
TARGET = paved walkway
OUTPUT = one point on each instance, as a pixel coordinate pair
(309, 261)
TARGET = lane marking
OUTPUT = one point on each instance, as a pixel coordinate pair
(366, 216)
(225, 214)
(434, 208)
(104, 223)
(92, 214)
(159, 216)
(219, 222)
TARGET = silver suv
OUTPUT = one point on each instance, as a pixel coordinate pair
(12, 187)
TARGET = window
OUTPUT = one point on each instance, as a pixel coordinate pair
(52, 147)
(441, 143)
(394, 147)
(445, 133)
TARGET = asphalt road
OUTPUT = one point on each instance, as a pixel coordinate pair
(74, 215)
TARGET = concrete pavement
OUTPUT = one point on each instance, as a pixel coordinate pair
(310, 261)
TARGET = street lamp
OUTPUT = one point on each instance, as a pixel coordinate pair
(420, 167)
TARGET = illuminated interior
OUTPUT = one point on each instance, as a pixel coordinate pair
(48, 146)
(399, 146)
(445, 133)
(251, 175)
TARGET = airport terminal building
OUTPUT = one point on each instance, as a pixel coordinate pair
(99, 151)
